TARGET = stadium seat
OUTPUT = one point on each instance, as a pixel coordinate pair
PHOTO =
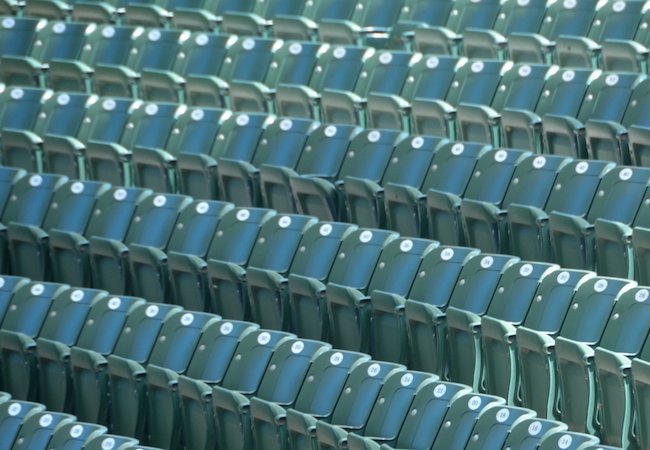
(207, 14)
(74, 435)
(367, 157)
(8, 286)
(494, 424)
(232, 242)
(304, 27)
(566, 439)
(37, 430)
(111, 441)
(12, 416)
(152, 226)
(526, 434)
(275, 247)
(260, 19)
(628, 55)
(416, 14)
(17, 34)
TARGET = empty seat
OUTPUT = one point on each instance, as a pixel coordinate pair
(38, 429)
(207, 14)
(304, 27)
(527, 433)
(628, 55)
(12, 416)
(494, 424)
(260, 19)
(74, 435)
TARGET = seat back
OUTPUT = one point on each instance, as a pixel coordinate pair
(564, 92)
(73, 204)
(154, 49)
(568, 17)
(475, 82)
(533, 180)
(149, 125)
(195, 131)
(114, 211)
(282, 142)
(107, 44)
(239, 136)
(369, 154)
(202, 54)
(17, 34)
(411, 160)
(452, 166)
(29, 307)
(154, 220)
(62, 114)
(619, 196)
(60, 40)
(105, 120)
(30, 198)
(248, 59)
(293, 63)
(338, 68)
(196, 226)
(325, 150)
(19, 107)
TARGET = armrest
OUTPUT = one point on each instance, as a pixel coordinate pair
(195, 19)
(296, 28)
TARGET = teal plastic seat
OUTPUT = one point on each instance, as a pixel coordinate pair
(152, 226)
(233, 242)
(60, 114)
(559, 19)
(527, 433)
(149, 126)
(415, 14)
(485, 222)
(627, 55)
(563, 94)
(105, 44)
(360, 250)
(446, 40)
(280, 145)
(574, 237)
(573, 192)
(65, 437)
(12, 415)
(510, 303)
(322, 155)
(57, 40)
(367, 158)
(567, 439)
(430, 292)
(476, 82)
(494, 424)
(277, 243)
(19, 108)
(154, 14)
(104, 121)
(207, 14)
(8, 286)
(564, 135)
(17, 34)
(316, 399)
(37, 430)
(304, 27)
(260, 19)
(72, 206)
(111, 440)
(386, 417)
(238, 137)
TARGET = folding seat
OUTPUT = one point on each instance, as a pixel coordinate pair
(194, 131)
(491, 42)
(616, 20)
(338, 67)
(605, 101)
(12, 415)
(368, 25)
(247, 59)
(304, 27)
(23, 321)
(324, 199)
(57, 40)
(280, 145)
(316, 254)
(416, 14)
(407, 168)
(628, 55)
(372, 319)
(60, 114)
(233, 241)
(192, 410)
(429, 77)
(316, 399)
(386, 417)
(420, 427)
(111, 441)
(308, 301)
(321, 157)
(192, 235)
(8, 177)
(105, 44)
(446, 39)
(461, 418)
(622, 340)
(111, 218)
(567, 440)
(199, 54)
(354, 406)
(293, 359)
(152, 226)
(406, 205)
(528, 226)
(28, 204)
(510, 303)
(17, 34)
(277, 243)
(19, 107)
(383, 72)
(430, 293)
(611, 140)
(563, 95)
(493, 425)
(156, 14)
(526, 434)
(520, 89)
(149, 125)
(104, 121)
(621, 193)
(71, 208)
(493, 173)
(568, 17)
(8, 286)
(485, 221)
(260, 19)
(73, 436)
(37, 430)
(293, 63)
(109, 319)
(584, 322)
(207, 15)
(152, 48)
(237, 139)
(475, 82)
